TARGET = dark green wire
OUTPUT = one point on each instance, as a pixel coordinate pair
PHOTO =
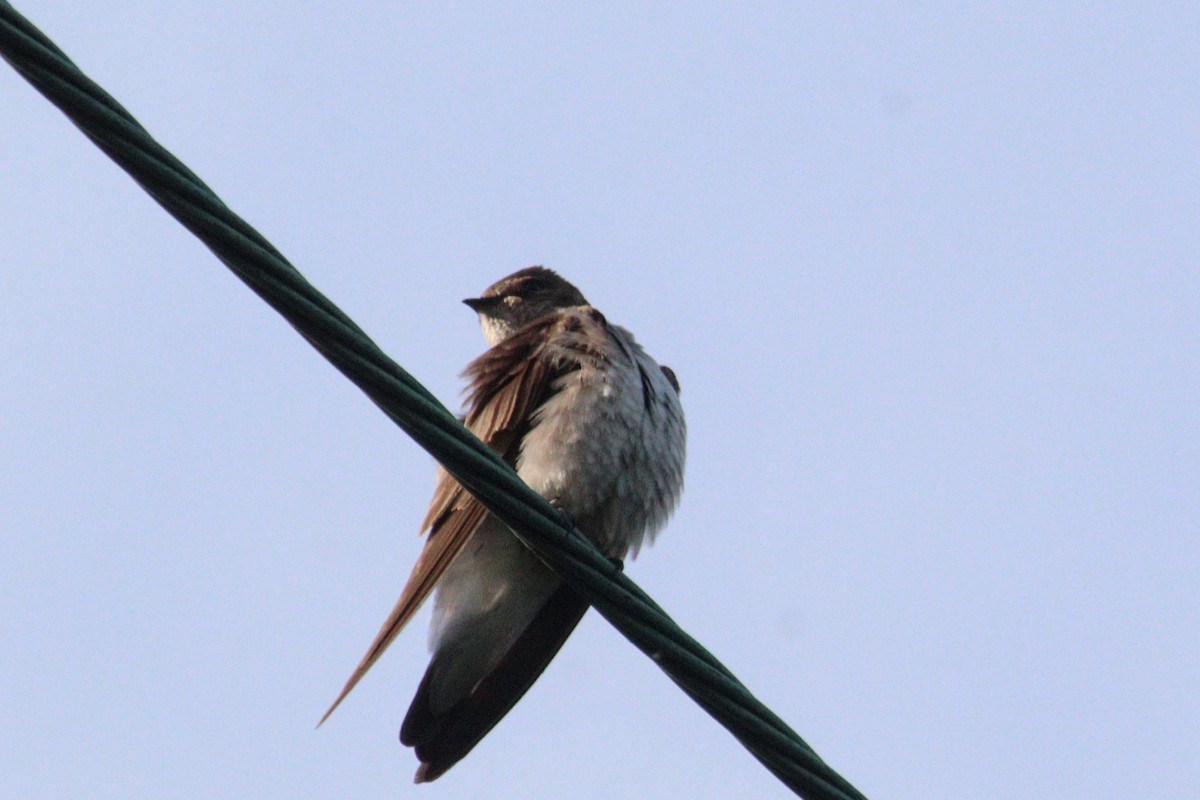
(264, 269)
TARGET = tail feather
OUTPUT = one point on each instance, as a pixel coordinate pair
(442, 738)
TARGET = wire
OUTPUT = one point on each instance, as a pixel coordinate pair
(264, 269)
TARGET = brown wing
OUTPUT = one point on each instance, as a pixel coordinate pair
(506, 385)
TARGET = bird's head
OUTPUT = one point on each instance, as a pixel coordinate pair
(513, 302)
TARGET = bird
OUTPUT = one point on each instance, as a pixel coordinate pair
(595, 426)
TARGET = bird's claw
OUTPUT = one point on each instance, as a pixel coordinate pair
(564, 516)
(569, 523)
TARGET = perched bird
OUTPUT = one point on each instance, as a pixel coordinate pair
(592, 424)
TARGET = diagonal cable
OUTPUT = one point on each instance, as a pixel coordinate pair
(264, 269)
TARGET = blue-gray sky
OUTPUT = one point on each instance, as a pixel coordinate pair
(928, 277)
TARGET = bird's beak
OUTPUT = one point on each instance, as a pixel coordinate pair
(482, 305)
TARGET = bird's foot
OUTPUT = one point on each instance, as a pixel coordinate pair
(564, 516)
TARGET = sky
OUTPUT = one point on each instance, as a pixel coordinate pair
(928, 278)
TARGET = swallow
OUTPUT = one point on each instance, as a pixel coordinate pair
(590, 422)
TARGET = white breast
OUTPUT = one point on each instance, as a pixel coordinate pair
(608, 446)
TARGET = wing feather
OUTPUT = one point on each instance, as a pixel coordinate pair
(506, 386)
